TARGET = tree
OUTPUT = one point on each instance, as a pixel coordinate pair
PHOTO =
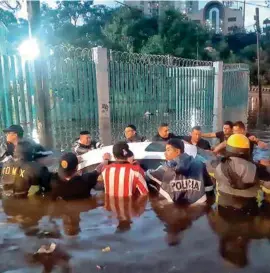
(79, 23)
(11, 6)
(17, 29)
(72, 11)
(7, 17)
(58, 28)
(177, 36)
(18, 32)
(91, 31)
(120, 34)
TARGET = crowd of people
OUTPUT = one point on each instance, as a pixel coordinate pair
(182, 179)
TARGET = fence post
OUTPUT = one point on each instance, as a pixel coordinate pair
(218, 101)
(100, 58)
(44, 126)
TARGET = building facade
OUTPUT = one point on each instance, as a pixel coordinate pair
(155, 8)
(218, 17)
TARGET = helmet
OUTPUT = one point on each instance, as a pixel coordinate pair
(238, 144)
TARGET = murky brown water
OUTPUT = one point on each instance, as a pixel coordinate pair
(98, 235)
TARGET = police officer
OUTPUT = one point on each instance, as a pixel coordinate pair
(85, 144)
(238, 178)
(163, 133)
(69, 184)
(131, 134)
(14, 134)
(182, 179)
(20, 173)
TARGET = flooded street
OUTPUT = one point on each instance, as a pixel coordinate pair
(116, 236)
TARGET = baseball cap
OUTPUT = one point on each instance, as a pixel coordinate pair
(121, 150)
(177, 144)
(14, 129)
(68, 164)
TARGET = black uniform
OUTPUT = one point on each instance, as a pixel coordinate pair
(157, 137)
(221, 136)
(202, 143)
(136, 138)
(7, 150)
(18, 176)
(78, 186)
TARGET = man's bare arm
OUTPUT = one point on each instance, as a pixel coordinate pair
(209, 135)
(258, 142)
(219, 147)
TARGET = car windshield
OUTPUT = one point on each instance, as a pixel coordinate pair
(156, 147)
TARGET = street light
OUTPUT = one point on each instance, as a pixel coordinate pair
(29, 49)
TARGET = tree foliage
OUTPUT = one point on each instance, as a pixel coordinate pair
(7, 17)
(80, 23)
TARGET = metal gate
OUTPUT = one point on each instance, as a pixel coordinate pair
(17, 93)
(73, 94)
(150, 89)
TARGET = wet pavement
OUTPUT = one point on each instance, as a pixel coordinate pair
(140, 235)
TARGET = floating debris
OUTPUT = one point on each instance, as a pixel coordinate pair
(100, 267)
(46, 249)
(106, 249)
(12, 248)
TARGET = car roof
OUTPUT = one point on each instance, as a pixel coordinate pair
(139, 150)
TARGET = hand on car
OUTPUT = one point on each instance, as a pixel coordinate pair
(107, 156)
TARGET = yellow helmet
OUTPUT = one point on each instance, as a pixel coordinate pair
(238, 144)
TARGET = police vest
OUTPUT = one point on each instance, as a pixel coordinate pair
(18, 177)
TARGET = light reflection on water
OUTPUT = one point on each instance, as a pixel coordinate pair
(112, 236)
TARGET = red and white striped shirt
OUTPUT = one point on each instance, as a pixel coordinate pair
(123, 179)
(125, 208)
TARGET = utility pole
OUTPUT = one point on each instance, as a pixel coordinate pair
(244, 14)
(197, 45)
(44, 127)
(258, 32)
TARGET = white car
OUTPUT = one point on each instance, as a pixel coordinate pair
(149, 154)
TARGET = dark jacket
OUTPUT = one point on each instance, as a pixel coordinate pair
(184, 180)
(136, 138)
(202, 143)
(239, 177)
(18, 176)
(7, 150)
(77, 187)
(80, 149)
(157, 137)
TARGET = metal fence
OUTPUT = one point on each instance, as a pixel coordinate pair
(150, 89)
(73, 94)
(17, 93)
(235, 85)
(143, 89)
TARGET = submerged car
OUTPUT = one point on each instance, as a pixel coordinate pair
(148, 154)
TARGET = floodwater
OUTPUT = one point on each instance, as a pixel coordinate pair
(143, 235)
